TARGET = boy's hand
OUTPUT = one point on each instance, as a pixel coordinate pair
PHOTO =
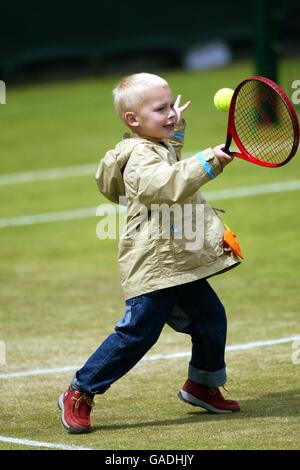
(223, 157)
(180, 109)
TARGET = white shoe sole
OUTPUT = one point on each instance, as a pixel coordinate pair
(61, 406)
(192, 400)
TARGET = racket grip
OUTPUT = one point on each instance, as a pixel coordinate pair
(226, 150)
(227, 145)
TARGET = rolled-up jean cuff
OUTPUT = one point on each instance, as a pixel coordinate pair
(211, 379)
(76, 384)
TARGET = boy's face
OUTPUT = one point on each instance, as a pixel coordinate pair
(156, 117)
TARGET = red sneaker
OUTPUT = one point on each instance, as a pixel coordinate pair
(209, 398)
(76, 407)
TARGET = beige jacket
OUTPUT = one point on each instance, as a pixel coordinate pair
(155, 250)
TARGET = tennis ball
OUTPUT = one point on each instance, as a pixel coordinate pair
(222, 99)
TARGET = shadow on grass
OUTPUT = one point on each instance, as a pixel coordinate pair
(277, 404)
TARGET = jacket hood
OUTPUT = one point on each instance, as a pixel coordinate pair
(109, 175)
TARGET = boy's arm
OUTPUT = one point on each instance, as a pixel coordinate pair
(159, 182)
(109, 178)
(177, 140)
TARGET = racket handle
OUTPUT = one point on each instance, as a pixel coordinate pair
(227, 145)
(226, 150)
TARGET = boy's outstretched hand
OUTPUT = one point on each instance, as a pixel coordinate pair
(180, 109)
(223, 157)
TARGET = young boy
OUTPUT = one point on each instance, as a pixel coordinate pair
(164, 264)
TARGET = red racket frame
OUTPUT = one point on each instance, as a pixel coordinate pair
(231, 132)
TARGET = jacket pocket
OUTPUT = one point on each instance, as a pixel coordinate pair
(206, 245)
(135, 261)
(214, 232)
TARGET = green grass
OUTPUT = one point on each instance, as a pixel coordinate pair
(61, 296)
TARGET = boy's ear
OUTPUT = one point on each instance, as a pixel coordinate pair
(131, 119)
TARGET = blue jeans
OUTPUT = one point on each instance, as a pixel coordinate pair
(192, 308)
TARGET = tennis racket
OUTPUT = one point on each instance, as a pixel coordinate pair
(263, 123)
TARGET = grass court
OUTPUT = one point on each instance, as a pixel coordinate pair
(60, 290)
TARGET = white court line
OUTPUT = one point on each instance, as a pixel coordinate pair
(46, 175)
(48, 445)
(244, 191)
(54, 173)
(48, 217)
(156, 357)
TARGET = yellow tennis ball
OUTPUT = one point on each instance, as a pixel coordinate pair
(222, 99)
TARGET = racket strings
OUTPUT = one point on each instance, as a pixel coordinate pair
(263, 123)
(267, 136)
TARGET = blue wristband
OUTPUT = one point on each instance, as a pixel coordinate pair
(205, 165)
(177, 135)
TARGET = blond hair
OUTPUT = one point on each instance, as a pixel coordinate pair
(130, 91)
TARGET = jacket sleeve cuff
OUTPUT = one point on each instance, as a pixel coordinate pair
(209, 162)
(178, 134)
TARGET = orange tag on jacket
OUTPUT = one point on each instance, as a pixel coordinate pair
(231, 240)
